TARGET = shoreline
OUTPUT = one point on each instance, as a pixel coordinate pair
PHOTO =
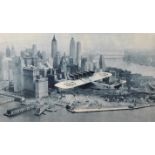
(89, 110)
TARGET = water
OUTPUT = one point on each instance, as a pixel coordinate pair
(134, 68)
(146, 114)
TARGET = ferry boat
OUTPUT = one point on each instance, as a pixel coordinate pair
(19, 110)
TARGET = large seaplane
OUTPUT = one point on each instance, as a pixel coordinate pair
(82, 78)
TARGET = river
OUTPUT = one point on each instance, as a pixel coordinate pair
(140, 115)
(134, 68)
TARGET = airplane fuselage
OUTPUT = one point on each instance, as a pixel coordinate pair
(68, 84)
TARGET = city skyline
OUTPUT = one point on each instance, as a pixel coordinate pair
(90, 42)
(58, 74)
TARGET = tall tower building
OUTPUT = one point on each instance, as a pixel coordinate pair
(78, 51)
(34, 50)
(8, 52)
(1, 71)
(102, 65)
(18, 65)
(56, 60)
(84, 64)
(13, 52)
(41, 87)
(29, 78)
(54, 47)
(72, 50)
(7, 66)
(63, 66)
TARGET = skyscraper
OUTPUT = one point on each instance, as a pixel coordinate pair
(17, 73)
(29, 78)
(34, 50)
(1, 71)
(7, 68)
(8, 52)
(54, 47)
(63, 66)
(102, 65)
(72, 50)
(84, 64)
(13, 53)
(41, 87)
(56, 60)
(78, 51)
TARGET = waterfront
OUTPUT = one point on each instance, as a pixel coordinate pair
(62, 115)
(146, 114)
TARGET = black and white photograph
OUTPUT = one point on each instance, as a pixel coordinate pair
(84, 77)
(77, 77)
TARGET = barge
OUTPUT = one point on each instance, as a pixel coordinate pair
(19, 110)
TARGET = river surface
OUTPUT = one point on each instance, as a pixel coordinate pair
(62, 115)
(134, 68)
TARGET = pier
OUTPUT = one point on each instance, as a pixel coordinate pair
(104, 109)
(16, 97)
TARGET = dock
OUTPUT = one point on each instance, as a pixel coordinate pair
(16, 97)
(104, 109)
(41, 109)
(4, 99)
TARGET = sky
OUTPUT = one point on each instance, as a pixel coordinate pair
(91, 42)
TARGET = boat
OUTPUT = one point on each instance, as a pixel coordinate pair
(19, 110)
(131, 107)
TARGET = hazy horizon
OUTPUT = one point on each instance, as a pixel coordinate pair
(96, 42)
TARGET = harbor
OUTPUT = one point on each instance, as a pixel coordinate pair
(58, 111)
(62, 115)
(37, 89)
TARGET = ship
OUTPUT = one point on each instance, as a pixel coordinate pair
(82, 78)
(19, 110)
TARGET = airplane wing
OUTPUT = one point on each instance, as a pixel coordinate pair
(68, 84)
